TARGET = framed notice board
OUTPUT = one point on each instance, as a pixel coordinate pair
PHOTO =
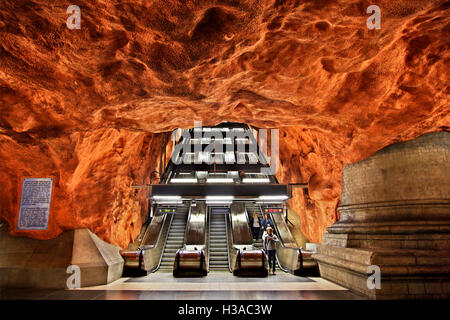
(35, 201)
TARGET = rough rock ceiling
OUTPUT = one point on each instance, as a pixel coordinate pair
(85, 106)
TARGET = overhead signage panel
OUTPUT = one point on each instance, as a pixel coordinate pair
(167, 210)
(273, 210)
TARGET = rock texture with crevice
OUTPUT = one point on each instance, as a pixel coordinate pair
(87, 106)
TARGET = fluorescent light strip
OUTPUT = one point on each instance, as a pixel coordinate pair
(219, 197)
(256, 180)
(169, 202)
(182, 180)
(166, 197)
(219, 180)
(268, 202)
(219, 202)
(281, 197)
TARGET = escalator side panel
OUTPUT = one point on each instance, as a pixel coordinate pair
(197, 225)
(240, 226)
(283, 231)
(191, 260)
(290, 257)
(152, 233)
(142, 255)
(152, 252)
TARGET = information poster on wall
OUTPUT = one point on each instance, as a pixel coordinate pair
(35, 203)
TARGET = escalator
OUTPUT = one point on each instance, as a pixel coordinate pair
(245, 258)
(218, 248)
(290, 258)
(191, 260)
(175, 239)
(189, 235)
(251, 208)
(156, 245)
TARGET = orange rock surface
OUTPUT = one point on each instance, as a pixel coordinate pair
(87, 106)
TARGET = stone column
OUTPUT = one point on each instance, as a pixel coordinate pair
(395, 214)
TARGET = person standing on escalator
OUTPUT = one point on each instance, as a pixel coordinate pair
(266, 223)
(255, 224)
(270, 246)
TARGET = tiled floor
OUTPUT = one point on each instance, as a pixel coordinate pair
(218, 277)
(216, 286)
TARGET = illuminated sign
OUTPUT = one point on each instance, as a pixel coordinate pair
(273, 210)
(167, 210)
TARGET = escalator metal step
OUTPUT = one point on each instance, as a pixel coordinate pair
(174, 240)
(218, 246)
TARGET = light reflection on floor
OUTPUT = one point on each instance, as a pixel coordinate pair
(216, 286)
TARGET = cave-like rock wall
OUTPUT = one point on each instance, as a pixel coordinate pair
(93, 173)
(85, 106)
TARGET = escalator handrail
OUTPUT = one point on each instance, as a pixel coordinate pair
(229, 245)
(284, 268)
(275, 226)
(280, 235)
(207, 237)
(232, 246)
(165, 241)
(281, 243)
(151, 246)
(277, 229)
(187, 226)
(239, 258)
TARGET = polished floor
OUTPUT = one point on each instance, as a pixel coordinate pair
(216, 286)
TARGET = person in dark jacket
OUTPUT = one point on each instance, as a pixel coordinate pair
(266, 223)
(255, 224)
(270, 246)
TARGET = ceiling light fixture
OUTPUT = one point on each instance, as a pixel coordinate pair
(256, 180)
(219, 198)
(183, 180)
(280, 197)
(166, 197)
(219, 180)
